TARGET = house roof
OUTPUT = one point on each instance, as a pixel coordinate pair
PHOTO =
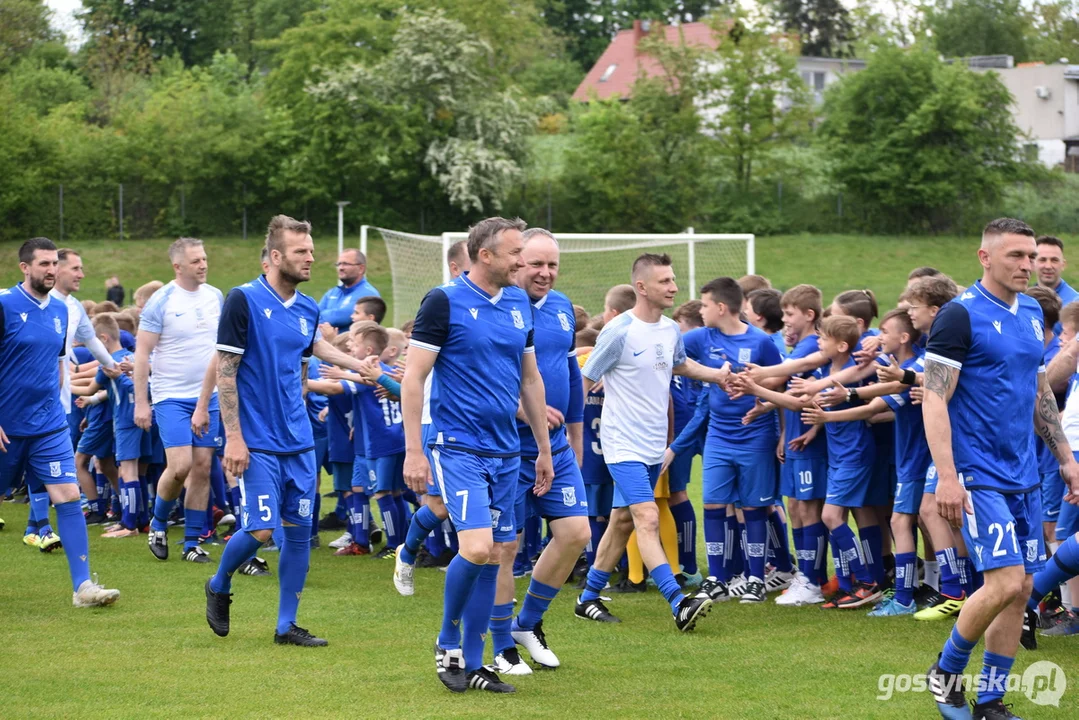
(619, 65)
(623, 62)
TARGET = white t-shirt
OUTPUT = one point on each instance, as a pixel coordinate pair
(1069, 420)
(636, 360)
(187, 325)
(79, 328)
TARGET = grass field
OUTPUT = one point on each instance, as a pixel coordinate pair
(832, 262)
(152, 655)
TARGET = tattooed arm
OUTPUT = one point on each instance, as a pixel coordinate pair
(236, 455)
(1048, 426)
(940, 382)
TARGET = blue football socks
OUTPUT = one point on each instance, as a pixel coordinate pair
(596, 528)
(129, 503)
(779, 541)
(162, 510)
(461, 577)
(72, 527)
(595, 582)
(196, 519)
(756, 541)
(1063, 566)
(239, 549)
(956, 653)
(872, 554)
(292, 574)
(537, 599)
(501, 622)
(685, 520)
(715, 534)
(422, 524)
(477, 617)
(667, 585)
(906, 572)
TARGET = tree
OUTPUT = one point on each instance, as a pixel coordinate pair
(1055, 31)
(754, 99)
(915, 139)
(823, 27)
(24, 24)
(193, 30)
(589, 25)
(962, 28)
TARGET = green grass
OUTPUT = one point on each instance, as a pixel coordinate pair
(152, 655)
(832, 262)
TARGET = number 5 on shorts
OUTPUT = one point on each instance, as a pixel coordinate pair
(265, 513)
(463, 494)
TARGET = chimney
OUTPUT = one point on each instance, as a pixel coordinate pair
(638, 33)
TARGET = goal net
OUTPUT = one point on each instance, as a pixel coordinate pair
(590, 264)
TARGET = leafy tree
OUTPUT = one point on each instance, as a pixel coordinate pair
(754, 99)
(1055, 31)
(962, 28)
(24, 25)
(915, 139)
(191, 29)
(823, 27)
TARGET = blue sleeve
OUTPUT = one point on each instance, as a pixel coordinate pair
(390, 385)
(950, 337)
(127, 340)
(339, 317)
(152, 317)
(575, 412)
(83, 355)
(692, 341)
(84, 329)
(431, 328)
(608, 350)
(232, 327)
(679, 351)
(770, 354)
(697, 427)
(101, 378)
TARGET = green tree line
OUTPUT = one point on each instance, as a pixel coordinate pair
(429, 115)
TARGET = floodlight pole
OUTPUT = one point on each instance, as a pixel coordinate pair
(341, 225)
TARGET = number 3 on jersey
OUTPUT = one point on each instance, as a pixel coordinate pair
(596, 448)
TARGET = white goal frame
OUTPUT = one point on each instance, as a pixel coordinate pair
(632, 241)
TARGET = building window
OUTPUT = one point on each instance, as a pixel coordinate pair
(814, 80)
(607, 73)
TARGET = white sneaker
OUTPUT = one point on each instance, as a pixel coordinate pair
(788, 598)
(800, 594)
(227, 519)
(737, 587)
(510, 663)
(91, 594)
(402, 574)
(777, 581)
(535, 643)
(343, 541)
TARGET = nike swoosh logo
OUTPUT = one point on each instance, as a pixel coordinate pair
(179, 314)
(637, 353)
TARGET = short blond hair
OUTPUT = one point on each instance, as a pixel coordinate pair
(105, 324)
(143, 294)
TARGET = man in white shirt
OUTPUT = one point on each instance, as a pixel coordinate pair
(635, 355)
(69, 275)
(178, 333)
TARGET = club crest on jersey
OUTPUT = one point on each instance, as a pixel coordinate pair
(496, 515)
(518, 319)
(569, 496)
(268, 312)
(23, 316)
(305, 508)
(56, 323)
(744, 355)
(54, 469)
(1032, 550)
(659, 351)
(303, 326)
(563, 320)
(1038, 332)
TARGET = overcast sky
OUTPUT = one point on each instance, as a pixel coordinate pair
(64, 18)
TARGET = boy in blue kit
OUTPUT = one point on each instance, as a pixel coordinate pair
(130, 441)
(684, 395)
(384, 439)
(898, 338)
(341, 452)
(851, 455)
(739, 460)
(35, 437)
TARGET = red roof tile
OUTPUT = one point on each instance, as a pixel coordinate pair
(628, 63)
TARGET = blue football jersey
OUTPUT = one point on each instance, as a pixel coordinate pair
(33, 340)
(315, 403)
(684, 395)
(338, 425)
(998, 350)
(793, 426)
(593, 468)
(121, 393)
(850, 444)
(480, 340)
(712, 348)
(383, 431)
(911, 449)
(556, 356)
(275, 337)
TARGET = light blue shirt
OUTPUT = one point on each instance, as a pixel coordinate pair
(336, 305)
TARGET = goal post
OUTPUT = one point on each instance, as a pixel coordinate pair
(590, 263)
